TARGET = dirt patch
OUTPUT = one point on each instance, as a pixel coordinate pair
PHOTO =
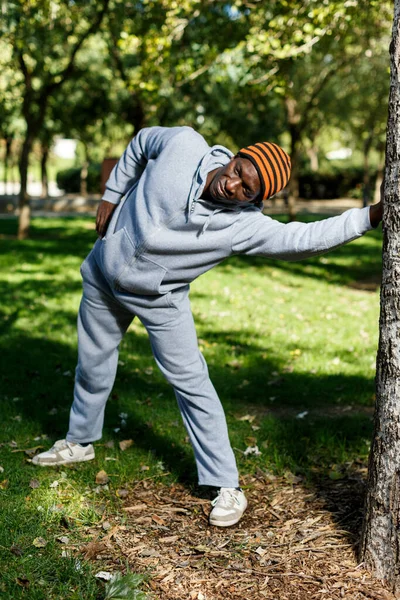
(293, 542)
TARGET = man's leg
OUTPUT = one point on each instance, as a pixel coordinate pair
(102, 322)
(174, 344)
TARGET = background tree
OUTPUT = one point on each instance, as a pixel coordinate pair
(381, 534)
(46, 38)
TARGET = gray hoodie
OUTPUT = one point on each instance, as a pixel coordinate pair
(163, 235)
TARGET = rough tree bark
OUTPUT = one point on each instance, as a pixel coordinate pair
(380, 544)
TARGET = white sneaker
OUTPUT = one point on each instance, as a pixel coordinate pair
(62, 453)
(229, 507)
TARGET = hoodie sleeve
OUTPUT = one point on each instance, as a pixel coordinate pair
(258, 235)
(146, 145)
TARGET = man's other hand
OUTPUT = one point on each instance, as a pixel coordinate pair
(104, 214)
(375, 214)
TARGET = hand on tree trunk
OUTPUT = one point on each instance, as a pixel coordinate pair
(375, 214)
(104, 214)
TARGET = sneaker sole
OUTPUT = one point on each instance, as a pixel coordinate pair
(217, 523)
(63, 462)
(225, 523)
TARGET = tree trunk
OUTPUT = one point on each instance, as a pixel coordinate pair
(7, 157)
(24, 207)
(43, 167)
(380, 545)
(293, 120)
(312, 154)
(84, 172)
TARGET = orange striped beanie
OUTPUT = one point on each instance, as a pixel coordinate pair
(272, 164)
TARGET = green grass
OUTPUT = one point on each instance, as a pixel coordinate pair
(280, 339)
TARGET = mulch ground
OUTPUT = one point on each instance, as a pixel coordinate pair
(293, 543)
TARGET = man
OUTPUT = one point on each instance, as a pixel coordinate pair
(173, 209)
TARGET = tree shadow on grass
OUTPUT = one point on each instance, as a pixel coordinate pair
(39, 373)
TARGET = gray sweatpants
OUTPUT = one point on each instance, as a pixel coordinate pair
(104, 316)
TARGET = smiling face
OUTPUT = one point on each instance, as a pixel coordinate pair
(238, 181)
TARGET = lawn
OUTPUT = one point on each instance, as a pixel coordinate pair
(291, 350)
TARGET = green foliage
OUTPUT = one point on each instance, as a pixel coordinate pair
(337, 183)
(69, 179)
(125, 586)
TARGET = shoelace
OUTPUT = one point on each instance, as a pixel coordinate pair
(225, 498)
(61, 445)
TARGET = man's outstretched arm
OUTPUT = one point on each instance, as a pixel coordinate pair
(267, 237)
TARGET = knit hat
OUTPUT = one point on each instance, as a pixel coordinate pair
(272, 164)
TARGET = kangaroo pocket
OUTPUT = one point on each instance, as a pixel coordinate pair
(123, 271)
(143, 276)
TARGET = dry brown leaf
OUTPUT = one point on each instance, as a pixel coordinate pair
(125, 444)
(122, 493)
(92, 549)
(4, 484)
(158, 520)
(102, 478)
(135, 507)
(23, 582)
(39, 542)
(34, 484)
(169, 539)
(17, 550)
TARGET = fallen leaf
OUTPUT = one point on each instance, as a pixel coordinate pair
(135, 507)
(63, 539)
(23, 581)
(13, 444)
(34, 484)
(102, 478)
(32, 451)
(92, 549)
(28, 451)
(17, 550)
(301, 415)
(253, 450)
(125, 444)
(249, 418)
(158, 520)
(39, 542)
(106, 525)
(144, 468)
(54, 484)
(169, 539)
(4, 484)
(202, 549)
(122, 493)
(104, 575)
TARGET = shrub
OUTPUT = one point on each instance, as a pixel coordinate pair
(328, 185)
(69, 180)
